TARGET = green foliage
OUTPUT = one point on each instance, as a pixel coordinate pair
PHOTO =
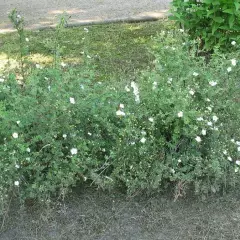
(187, 116)
(45, 122)
(216, 23)
(174, 125)
(18, 23)
(177, 123)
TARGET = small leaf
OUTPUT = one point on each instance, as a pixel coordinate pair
(231, 21)
(230, 11)
(218, 19)
(237, 5)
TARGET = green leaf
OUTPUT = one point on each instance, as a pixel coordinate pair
(231, 21)
(218, 19)
(215, 27)
(210, 12)
(230, 11)
(237, 5)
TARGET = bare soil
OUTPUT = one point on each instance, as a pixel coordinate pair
(90, 214)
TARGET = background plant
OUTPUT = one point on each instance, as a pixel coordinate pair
(215, 23)
(18, 23)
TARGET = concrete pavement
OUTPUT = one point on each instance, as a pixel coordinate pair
(43, 13)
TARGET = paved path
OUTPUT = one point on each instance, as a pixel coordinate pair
(42, 13)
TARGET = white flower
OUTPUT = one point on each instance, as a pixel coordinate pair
(238, 143)
(238, 149)
(86, 30)
(74, 151)
(232, 140)
(143, 140)
(229, 159)
(209, 109)
(199, 119)
(120, 113)
(180, 114)
(2, 80)
(38, 66)
(121, 105)
(181, 30)
(236, 169)
(72, 100)
(192, 92)
(233, 43)
(198, 139)
(234, 62)
(16, 183)
(208, 100)
(135, 92)
(209, 123)
(90, 134)
(204, 132)
(150, 119)
(18, 122)
(63, 64)
(169, 80)
(229, 69)
(238, 162)
(28, 150)
(143, 133)
(179, 160)
(27, 39)
(215, 118)
(172, 171)
(127, 89)
(225, 152)
(215, 128)
(212, 83)
(64, 135)
(15, 135)
(89, 57)
(154, 85)
(195, 74)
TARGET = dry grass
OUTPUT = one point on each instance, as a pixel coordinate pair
(97, 215)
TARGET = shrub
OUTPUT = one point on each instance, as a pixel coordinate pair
(56, 130)
(182, 129)
(177, 123)
(216, 23)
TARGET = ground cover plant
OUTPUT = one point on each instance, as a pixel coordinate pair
(174, 123)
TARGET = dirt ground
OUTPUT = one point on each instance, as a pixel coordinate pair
(43, 13)
(97, 215)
